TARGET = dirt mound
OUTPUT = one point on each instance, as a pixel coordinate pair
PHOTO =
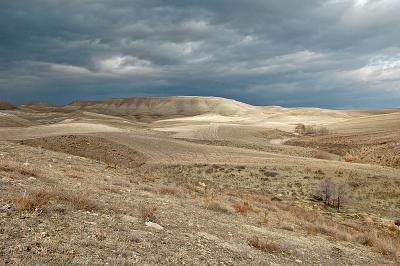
(92, 147)
(165, 106)
(4, 105)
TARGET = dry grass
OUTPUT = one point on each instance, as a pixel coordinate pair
(147, 214)
(18, 167)
(299, 212)
(312, 130)
(386, 246)
(38, 200)
(173, 191)
(334, 231)
(242, 207)
(111, 189)
(79, 201)
(322, 155)
(33, 201)
(350, 158)
(75, 176)
(264, 245)
(367, 237)
(263, 199)
(214, 205)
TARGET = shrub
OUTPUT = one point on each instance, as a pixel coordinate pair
(335, 231)
(77, 200)
(387, 247)
(366, 239)
(82, 203)
(215, 206)
(264, 245)
(23, 169)
(350, 158)
(147, 214)
(271, 174)
(384, 246)
(300, 129)
(333, 194)
(169, 191)
(34, 201)
(322, 155)
(242, 207)
(315, 131)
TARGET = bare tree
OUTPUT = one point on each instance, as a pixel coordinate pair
(341, 194)
(327, 190)
(300, 129)
(313, 130)
(334, 193)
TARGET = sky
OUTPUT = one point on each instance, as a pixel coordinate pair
(333, 53)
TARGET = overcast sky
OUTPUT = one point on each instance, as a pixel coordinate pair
(334, 53)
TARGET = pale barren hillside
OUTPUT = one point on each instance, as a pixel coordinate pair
(164, 106)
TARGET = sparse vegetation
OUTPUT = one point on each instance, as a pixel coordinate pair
(33, 201)
(147, 213)
(242, 207)
(311, 130)
(214, 205)
(173, 191)
(349, 158)
(24, 169)
(38, 200)
(265, 245)
(79, 201)
(322, 155)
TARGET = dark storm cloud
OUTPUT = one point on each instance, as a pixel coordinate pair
(337, 53)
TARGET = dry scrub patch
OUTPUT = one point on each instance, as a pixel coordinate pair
(170, 190)
(213, 204)
(39, 200)
(24, 169)
(33, 201)
(243, 207)
(147, 213)
(266, 245)
(322, 155)
(79, 201)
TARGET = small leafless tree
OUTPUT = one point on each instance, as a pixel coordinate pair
(300, 129)
(342, 192)
(327, 189)
(334, 193)
(313, 130)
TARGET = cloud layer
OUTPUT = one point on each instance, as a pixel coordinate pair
(336, 53)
